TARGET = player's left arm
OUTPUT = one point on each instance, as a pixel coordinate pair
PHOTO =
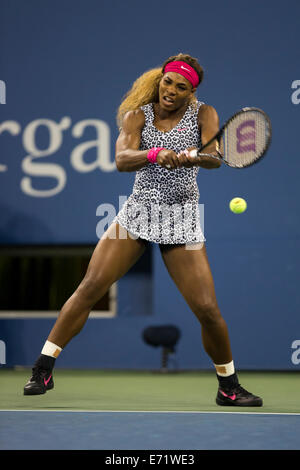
(209, 125)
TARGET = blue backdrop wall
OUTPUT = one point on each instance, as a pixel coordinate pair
(64, 68)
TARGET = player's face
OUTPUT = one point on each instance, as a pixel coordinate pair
(174, 91)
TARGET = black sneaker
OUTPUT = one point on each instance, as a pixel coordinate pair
(237, 396)
(39, 383)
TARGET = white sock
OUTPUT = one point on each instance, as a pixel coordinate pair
(224, 370)
(51, 349)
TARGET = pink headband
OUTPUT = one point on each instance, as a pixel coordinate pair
(185, 70)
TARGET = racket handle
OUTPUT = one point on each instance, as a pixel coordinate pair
(193, 153)
(196, 153)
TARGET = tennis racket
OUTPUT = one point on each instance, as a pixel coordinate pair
(243, 140)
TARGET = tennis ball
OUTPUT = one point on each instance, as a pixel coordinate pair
(238, 205)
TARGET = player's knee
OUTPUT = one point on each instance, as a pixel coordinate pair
(207, 312)
(92, 288)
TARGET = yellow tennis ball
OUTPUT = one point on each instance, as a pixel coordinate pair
(238, 205)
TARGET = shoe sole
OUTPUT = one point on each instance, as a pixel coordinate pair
(37, 392)
(254, 403)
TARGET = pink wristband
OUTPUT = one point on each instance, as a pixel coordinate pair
(152, 154)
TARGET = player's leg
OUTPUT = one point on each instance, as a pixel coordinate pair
(111, 259)
(191, 273)
(113, 256)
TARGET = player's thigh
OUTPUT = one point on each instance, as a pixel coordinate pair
(115, 253)
(190, 270)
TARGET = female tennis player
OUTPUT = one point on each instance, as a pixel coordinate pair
(160, 121)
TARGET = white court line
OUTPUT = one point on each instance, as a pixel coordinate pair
(147, 411)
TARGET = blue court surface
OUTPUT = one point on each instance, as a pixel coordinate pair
(98, 430)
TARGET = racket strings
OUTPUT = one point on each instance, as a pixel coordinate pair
(245, 139)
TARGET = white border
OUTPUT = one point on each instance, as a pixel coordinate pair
(164, 412)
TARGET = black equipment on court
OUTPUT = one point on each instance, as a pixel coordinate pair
(165, 336)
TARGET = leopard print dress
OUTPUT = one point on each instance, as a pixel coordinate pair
(164, 205)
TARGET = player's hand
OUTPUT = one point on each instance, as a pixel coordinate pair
(185, 160)
(168, 159)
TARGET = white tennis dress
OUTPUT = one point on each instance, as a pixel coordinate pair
(164, 205)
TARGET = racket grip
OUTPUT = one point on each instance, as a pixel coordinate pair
(197, 153)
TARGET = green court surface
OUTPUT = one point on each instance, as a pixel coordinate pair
(76, 390)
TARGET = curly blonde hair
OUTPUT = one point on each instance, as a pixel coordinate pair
(145, 89)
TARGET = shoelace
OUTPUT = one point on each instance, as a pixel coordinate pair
(239, 389)
(36, 373)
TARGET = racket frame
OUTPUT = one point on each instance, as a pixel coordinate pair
(218, 135)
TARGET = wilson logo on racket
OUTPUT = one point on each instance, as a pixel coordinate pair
(244, 137)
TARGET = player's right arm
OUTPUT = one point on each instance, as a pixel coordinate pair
(128, 157)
